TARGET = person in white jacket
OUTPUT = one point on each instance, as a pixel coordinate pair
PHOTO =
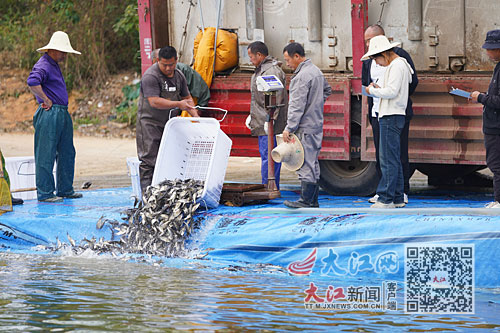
(393, 93)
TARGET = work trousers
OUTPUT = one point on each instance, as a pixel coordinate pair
(264, 166)
(148, 141)
(492, 145)
(405, 161)
(54, 143)
(309, 172)
(390, 187)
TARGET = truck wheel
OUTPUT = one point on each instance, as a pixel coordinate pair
(353, 177)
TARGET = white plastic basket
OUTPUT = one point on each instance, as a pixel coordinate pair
(21, 172)
(133, 172)
(194, 148)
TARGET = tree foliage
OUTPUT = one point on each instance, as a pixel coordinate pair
(104, 31)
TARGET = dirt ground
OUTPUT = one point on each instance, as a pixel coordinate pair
(93, 112)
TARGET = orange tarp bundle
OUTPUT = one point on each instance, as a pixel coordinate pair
(227, 52)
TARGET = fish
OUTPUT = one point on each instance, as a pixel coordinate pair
(71, 241)
(157, 225)
(100, 222)
(86, 185)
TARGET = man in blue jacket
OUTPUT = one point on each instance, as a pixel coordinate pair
(491, 114)
(371, 72)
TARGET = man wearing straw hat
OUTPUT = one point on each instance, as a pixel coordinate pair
(308, 93)
(52, 122)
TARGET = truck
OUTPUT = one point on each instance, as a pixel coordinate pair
(443, 37)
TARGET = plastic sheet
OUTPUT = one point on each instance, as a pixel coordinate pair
(342, 240)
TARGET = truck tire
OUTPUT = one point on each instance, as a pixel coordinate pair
(353, 177)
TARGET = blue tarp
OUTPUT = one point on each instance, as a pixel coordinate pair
(343, 239)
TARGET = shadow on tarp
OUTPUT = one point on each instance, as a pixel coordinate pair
(343, 239)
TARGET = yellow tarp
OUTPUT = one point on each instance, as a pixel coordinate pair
(227, 52)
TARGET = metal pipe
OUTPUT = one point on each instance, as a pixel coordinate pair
(254, 16)
(314, 23)
(415, 19)
(201, 17)
(216, 32)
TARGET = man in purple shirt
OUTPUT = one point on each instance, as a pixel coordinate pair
(52, 122)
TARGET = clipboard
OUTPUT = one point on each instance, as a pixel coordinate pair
(363, 91)
(460, 92)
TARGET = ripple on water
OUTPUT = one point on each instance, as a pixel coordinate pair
(88, 293)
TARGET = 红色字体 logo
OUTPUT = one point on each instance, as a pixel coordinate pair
(369, 298)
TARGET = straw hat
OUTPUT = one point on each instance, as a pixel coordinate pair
(290, 154)
(60, 42)
(378, 44)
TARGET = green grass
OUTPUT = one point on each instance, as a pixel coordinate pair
(126, 112)
(86, 121)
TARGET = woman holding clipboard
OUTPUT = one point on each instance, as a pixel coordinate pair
(393, 93)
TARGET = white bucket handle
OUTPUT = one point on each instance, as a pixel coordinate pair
(212, 108)
(202, 107)
(170, 113)
(19, 169)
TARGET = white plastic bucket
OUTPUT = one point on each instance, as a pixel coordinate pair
(21, 172)
(194, 148)
(133, 172)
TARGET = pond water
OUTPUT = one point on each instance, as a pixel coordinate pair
(41, 292)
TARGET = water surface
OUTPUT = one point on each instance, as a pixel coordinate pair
(66, 293)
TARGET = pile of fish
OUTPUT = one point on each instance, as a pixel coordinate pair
(159, 225)
(165, 220)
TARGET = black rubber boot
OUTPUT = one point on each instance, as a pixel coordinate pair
(315, 203)
(308, 196)
(16, 201)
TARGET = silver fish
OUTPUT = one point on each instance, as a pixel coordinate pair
(71, 241)
(100, 222)
(158, 225)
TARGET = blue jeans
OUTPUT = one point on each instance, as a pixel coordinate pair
(391, 185)
(263, 156)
